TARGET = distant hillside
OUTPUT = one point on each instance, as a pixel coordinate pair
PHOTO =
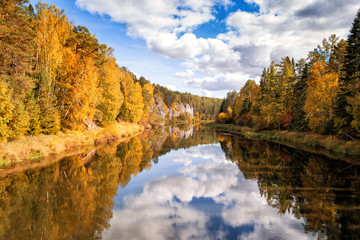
(204, 108)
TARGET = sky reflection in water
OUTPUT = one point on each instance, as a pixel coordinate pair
(198, 194)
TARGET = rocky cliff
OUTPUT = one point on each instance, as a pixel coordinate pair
(178, 111)
(181, 109)
(158, 106)
(158, 112)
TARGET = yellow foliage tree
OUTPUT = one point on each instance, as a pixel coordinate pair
(148, 98)
(225, 117)
(6, 108)
(78, 80)
(78, 91)
(52, 30)
(111, 97)
(132, 108)
(247, 104)
(320, 96)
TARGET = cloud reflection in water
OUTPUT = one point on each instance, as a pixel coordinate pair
(210, 200)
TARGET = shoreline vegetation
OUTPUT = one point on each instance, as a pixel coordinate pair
(44, 149)
(62, 92)
(312, 104)
(329, 146)
(57, 80)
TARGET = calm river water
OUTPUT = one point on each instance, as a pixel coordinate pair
(190, 183)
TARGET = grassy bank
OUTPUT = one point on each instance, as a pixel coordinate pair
(36, 148)
(316, 143)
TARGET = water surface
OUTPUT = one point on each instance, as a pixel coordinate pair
(187, 183)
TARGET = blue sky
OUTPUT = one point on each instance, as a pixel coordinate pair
(208, 47)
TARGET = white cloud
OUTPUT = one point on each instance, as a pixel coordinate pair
(163, 26)
(218, 57)
(223, 81)
(187, 74)
(169, 45)
(286, 28)
(171, 87)
(160, 22)
(211, 151)
(252, 41)
(184, 160)
(207, 93)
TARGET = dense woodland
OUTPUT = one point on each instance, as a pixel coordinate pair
(205, 107)
(56, 76)
(320, 94)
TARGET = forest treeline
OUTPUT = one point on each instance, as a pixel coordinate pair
(320, 94)
(56, 76)
(205, 107)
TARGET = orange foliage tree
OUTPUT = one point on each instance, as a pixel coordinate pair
(320, 97)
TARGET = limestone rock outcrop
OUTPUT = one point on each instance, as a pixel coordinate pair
(180, 109)
(157, 112)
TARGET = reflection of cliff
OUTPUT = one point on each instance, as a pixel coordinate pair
(137, 154)
(178, 133)
(323, 192)
(186, 136)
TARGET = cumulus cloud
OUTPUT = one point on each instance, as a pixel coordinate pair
(160, 22)
(186, 74)
(206, 93)
(223, 81)
(146, 18)
(184, 160)
(171, 87)
(218, 57)
(211, 151)
(251, 42)
(169, 45)
(286, 28)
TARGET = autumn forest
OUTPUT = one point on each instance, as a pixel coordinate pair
(91, 149)
(55, 76)
(318, 94)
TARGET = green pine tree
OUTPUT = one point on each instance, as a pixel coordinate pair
(348, 105)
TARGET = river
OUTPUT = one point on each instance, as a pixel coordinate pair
(184, 183)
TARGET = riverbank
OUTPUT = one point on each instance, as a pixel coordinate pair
(35, 149)
(316, 143)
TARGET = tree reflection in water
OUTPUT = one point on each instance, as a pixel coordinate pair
(74, 198)
(322, 191)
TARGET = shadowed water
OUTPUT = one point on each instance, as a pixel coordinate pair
(189, 183)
